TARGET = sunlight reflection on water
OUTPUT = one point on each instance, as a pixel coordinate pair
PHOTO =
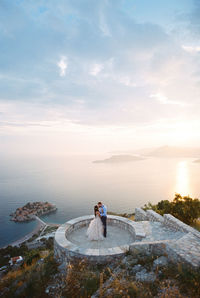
(75, 184)
(182, 178)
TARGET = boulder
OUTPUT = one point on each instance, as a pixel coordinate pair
(143, 276)
(160, 262)
(62, 268)
(129, 260)
(137, 268)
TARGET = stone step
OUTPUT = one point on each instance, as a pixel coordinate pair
(188, 248)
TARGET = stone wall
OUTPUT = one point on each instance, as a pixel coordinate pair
(149, 215)
(64, 249)
(154, 216)
(177, 225)
(184, 248)
(64, 256)
(149, 247)
(140, 214)
(158, 248)
(163, 247)
(168, 220)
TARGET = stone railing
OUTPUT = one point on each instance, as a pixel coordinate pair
(148, 215)
(175, 224)
(140, 214)
(168, 220)
(154, 216)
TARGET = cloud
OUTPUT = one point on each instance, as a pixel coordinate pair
(103, 25)
(191, 49)
(96, 69)
(164, 100)
(114, 56)
(62, 64)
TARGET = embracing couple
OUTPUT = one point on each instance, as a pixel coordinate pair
(97, 227)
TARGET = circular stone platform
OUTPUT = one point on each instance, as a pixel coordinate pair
(71, 239)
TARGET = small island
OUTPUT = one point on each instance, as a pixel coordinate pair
(30, 210)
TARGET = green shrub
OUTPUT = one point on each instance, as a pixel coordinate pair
(31, 255)
(184, 208)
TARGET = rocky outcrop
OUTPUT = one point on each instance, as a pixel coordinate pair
(144, 276)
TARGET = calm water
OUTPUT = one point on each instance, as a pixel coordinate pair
(75, 184)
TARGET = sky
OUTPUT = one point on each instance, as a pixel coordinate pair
(83, 76)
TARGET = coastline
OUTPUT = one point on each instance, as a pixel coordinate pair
(40, 224)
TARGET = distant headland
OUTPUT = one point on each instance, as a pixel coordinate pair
(160, 152)
(30, 210)
(197, 160)
(119, 159)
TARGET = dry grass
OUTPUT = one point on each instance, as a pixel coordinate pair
(18, 272)
(22, 270)
(44, 253)
(81, 281)
(30, 280)
(175, 280)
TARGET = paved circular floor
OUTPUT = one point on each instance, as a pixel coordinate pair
(116, 236)
(71, 240)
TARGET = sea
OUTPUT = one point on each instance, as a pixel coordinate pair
(75, 184)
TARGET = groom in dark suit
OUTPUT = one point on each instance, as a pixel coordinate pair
(103, 213)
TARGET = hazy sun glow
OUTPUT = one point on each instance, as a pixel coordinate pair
(182, 178)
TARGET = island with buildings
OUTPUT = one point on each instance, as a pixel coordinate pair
(31, 210)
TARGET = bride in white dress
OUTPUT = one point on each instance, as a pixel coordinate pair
(95, 229)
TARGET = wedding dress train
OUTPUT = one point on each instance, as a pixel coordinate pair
(95, 229)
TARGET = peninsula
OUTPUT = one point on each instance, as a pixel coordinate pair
(30, 210)
(119, 159)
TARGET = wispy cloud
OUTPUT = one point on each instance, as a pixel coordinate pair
(62, 64)
(191, 49)
(104, 26)
(101, 63)
(96, 69)
(164, 100)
